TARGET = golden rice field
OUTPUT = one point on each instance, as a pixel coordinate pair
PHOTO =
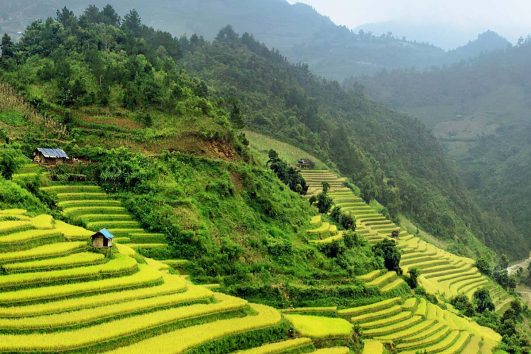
(61, 295)
(91, 207)
(441, 273)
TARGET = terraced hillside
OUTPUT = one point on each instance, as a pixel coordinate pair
(441, 273)
(58, 295)
(91, 207)
(325, 232)
(411, 325)
(416, 325)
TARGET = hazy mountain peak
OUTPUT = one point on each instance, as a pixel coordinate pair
(486, 42)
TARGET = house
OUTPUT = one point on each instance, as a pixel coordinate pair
(102, 239)
(49, 156)
(305, 164)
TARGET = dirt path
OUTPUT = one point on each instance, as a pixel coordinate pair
(523, 263)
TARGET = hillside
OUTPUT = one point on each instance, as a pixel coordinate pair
(395, 160)
(214, 249)
(479, 111)
(298, 31)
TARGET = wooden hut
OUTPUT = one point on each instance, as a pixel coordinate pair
(305, 164)
(49, 156)
(102, 239)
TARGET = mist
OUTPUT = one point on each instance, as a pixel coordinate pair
(447, 24)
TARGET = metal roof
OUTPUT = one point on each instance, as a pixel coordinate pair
(105, 233)
(53, 153)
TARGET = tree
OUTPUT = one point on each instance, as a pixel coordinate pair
(109, 16)
(133, 23)
(464, 305)
(236, 116)
(388, 250)
(326, 187)
(227, 34)
(484, 266)
(324, 203)
(413, 278)
(91, 15)
(10, 161)
(67, 18)
(7, 46)
(348, 222)
(483, 301)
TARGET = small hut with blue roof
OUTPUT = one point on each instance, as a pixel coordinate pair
(49, 156)
(102, 239)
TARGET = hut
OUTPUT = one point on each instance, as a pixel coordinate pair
(49, 156)
(305, 164)
(102, 239)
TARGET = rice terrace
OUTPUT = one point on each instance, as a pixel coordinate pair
(169, 185)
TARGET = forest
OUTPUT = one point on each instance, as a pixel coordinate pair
(479, 111)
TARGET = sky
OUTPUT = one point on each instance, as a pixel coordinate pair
(510, 18)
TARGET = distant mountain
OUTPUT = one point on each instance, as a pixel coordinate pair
(441, 35)
(298, 31)
(486, 42)
(480, 109)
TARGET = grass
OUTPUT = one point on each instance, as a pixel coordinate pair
(371, 316)
(118, 266)
(72, 260)
(195, 336)
(356, 311)
(45, 251)
(320, 327)
(120, 328)
(27, 239)
(262, 144)
(333, 350)
(77, 212)
(102, 313)
(373, 347)
(172, 284)
(7, 227)
(383, 279)
(146, 276)
(297, 344)
(388, 320)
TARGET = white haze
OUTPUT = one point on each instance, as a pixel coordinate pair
(510, 18)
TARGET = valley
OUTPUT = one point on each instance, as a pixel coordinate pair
(163, 194)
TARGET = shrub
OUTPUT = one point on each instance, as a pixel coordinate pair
(412, 280)
(388, 250)
(483, 301)
(462, 303)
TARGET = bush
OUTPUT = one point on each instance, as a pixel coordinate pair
(483, 301)
(412, 280)
(388, 250)
(324, 203)
(462, 303)
(11, 160)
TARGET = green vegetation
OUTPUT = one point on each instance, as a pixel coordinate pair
(161, 164)
(290, 103)
(297, 30)
(289, 175)
(478, 110)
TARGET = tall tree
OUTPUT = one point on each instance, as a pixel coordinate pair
(109, 16)
(133, 23)
(7, 46)
(67, 18)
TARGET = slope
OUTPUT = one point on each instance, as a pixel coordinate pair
(51, 302)
(298, 31)
(389, 156)
(479, 111)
